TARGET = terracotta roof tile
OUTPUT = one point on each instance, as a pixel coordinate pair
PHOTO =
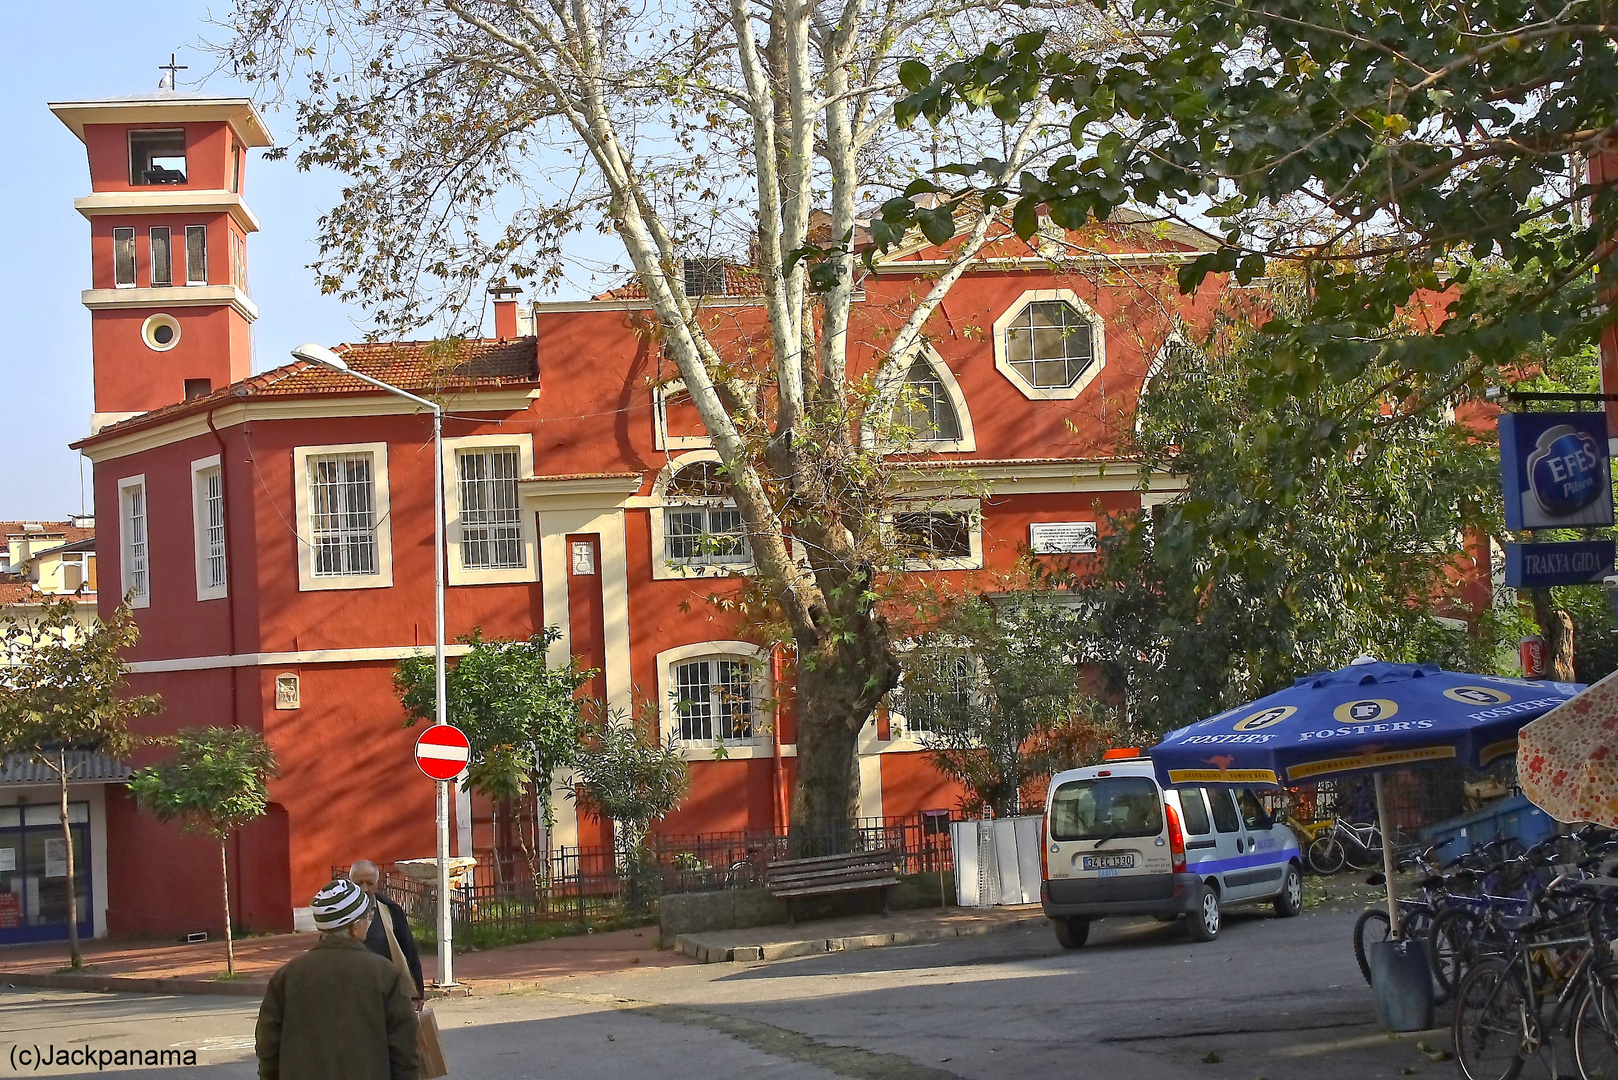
(65, 531)
(739, 281)
(15, 592)
(422, 367)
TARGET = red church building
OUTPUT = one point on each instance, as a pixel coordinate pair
(274, 531)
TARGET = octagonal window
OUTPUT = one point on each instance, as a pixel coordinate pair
(1049, 344)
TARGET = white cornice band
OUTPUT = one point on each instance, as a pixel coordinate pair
(172, 296)
(157, 200)
(287, 659)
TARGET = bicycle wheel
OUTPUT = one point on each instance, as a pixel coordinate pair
(1595, 1028)
(1451, 943)
(741, 875)
(1371, 927)
(1488, 1024)
(1326, 855)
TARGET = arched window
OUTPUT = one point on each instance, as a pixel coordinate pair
(925, 409)
(701, 525)
(714, 699)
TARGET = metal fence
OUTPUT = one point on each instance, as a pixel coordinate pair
(593, 885)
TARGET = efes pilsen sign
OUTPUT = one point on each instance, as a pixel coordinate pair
(1555, 471)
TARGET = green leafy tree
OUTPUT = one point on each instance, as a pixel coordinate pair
(627, 776)
(1278, 561)
(1386, 150)
(994, 691)
(62, 690)
(215, 783)
(520, 714)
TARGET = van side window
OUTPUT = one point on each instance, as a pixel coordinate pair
(1224, 813)
(1195, 811)
(1253, 813)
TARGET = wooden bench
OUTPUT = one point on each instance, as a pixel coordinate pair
(826, 875)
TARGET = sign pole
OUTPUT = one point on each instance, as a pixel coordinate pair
(446, 970)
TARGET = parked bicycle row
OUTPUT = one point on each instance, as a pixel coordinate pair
(1522, 939)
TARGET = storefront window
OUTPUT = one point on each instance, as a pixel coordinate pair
(33, 871)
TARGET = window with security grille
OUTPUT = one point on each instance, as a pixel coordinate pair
(136, 578)
(713, 699)
(342, 516)
(211, 507)
(934, 534)
(926, 410)
(1049, 344)
(947, 693)
(123, 258)
(704, 277)
(703, 527)
(196, 254)
(162, 257)
(491, 519)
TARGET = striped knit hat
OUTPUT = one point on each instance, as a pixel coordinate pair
(338, 904)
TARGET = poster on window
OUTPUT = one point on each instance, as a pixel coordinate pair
(10, 911)
(55, 858)
(8, 859)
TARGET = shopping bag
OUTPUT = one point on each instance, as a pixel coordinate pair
(429, 1049)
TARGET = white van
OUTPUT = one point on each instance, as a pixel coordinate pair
(1116, 843)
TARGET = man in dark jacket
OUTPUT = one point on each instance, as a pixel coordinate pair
(367, 876)
(339, 1011)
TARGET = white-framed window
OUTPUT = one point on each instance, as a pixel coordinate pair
(1175, 359)
(344, 540)
(931, 409)
(196, 254)
(162, 256)
(1050, 344)
(208, 523)
(75, 571)
(696, 528)
(666, 396)
(238, 260)
(712, 695)
(919, 712)
(134, 543)
(941, 535)
(491, 519)
(123, 258)
(492, 538)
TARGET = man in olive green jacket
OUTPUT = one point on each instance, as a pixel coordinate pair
(339, 1011)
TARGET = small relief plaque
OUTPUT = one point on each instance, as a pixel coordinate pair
(1062, 537)
(584, 558)
(288, 694)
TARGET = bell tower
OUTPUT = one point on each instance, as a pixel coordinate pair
(170, 308)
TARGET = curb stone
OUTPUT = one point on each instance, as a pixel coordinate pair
(117, 984)
(714, 953)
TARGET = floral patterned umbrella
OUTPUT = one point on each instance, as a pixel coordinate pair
(1567, 760)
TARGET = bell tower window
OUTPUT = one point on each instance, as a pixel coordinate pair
(162, 257)
(196, 254)
(123, 258)
(156, 157)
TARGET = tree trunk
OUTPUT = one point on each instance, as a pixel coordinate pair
(74, 957)
(1556, 627)
(230, 941)
(836, 695)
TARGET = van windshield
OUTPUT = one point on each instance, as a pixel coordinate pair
(1106, 806)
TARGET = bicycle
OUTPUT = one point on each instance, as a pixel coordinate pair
(1500, 1013)
(1347, 843)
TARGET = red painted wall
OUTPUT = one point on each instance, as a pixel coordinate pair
(207, 155)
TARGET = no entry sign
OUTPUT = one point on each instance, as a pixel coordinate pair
(442, 751)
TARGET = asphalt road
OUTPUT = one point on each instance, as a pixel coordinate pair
(1272, 999)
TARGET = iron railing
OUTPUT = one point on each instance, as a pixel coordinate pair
(592, 885)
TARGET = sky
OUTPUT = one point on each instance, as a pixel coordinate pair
(110, 48)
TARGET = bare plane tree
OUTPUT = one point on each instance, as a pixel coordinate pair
(479, 135)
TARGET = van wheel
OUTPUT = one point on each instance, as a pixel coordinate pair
(1203, 922)
(1289, 901)
(1072, 932)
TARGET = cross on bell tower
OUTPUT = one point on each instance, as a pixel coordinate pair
(171, 81)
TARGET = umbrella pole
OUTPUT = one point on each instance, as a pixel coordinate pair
(1384, 821)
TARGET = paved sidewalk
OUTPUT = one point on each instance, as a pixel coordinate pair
(858, 932)
(167, 968)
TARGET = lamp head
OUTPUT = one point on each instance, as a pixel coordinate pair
(319, 354)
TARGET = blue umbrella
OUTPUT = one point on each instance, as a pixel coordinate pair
(1368, 717)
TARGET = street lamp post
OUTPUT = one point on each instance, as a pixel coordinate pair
(319, 354)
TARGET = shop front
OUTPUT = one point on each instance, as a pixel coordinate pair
(35, 903)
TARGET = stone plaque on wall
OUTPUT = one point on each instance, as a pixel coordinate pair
(1062, 537)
